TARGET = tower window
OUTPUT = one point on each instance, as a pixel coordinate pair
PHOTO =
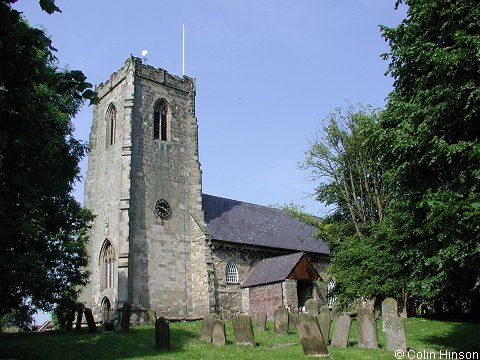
(107, 265)
(231, 273)
(111, 123)
(160, 122)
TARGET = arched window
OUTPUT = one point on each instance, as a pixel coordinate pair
(111, 123)
(330, 297)
(160, 121)
(231, 273)
(107, 266)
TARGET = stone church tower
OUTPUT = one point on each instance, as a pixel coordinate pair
(144, 186)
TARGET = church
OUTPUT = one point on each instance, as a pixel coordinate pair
(157, 241)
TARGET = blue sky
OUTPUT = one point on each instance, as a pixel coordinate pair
(267, 73)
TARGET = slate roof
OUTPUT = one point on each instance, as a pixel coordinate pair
(249, 224)
(272, 270)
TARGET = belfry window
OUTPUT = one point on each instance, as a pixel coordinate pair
(231, 273)
(107, 266)
(160, 123)
(111, 123)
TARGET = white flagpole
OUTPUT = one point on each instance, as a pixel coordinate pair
(183, 50)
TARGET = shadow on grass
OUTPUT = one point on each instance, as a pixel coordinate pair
(460, 337)
(139, 342)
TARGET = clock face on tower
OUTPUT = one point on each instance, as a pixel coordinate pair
(162, 208)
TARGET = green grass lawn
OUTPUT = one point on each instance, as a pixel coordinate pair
(422, 334)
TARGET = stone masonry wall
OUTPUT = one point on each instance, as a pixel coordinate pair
(229, 300)
(228, 297)
(107, 188)
(159, 264)
(290, 296)
(164, 259)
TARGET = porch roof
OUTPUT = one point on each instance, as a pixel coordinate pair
(276, 269)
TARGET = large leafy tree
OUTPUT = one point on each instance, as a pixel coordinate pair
(431, 142)
(42, 227)
(346, 161)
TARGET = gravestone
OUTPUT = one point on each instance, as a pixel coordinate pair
(395, 331)
(243, 330)
(152, 317)
(310, 335)
(218, 336)
(389, 309)
(341, 331)
(335, 313)
(325, 310)
(162, 334)
(109, 326)
(92, 327)
(292, 321)
(126, 313)
(324, 323)
(280, 321)
(261, 321)
(366, 329)
(78, 324)
(311, 307)
(207, 327)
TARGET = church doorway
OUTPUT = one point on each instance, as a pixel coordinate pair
(106, 309)
(304, 292)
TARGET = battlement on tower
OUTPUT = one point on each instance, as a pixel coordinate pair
(149, 72)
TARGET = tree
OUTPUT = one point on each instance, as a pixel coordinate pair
(430, 135)
(346, 159)
(43, 229)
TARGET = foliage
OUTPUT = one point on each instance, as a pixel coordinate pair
(430, 135)
(42, 227)
(21, 318)
(367, 268)
(345, 160)
(66, 309)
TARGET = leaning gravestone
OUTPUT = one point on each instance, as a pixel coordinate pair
(395, 330)
(243, 330)
(389, 309)
(126, 313)
(310, 336)
(324, 323)
(92, 327)
(78, 324)
(366, 329)
(261, 321)
(218, 336)
(311, 307)
(207, 327)
(280, 321)
(341, 331)
(152, 316)
(292, 321)
(162, 334)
